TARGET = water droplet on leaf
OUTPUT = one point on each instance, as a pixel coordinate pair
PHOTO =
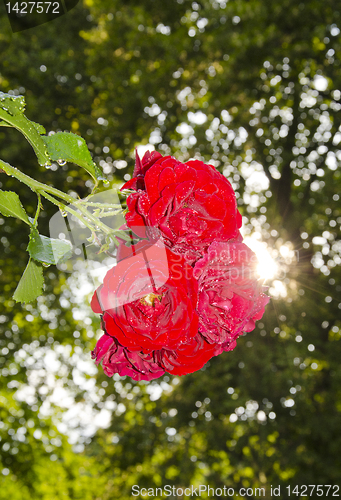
(61, 162)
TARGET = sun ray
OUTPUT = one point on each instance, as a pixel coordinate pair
(267, 267)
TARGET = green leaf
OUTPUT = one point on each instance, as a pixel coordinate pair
(66, 146)
(12, 104)
(47, 250)
(39, 128)
(10, 206)
(31, 284)
(12, 114)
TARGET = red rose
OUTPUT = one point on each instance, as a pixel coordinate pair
(188, 357)
(190, 203)
(231, 297)
(172, 308)
(148, 300)
(118, 359)
(141, 167)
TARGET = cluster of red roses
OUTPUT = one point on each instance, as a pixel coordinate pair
(189, 287)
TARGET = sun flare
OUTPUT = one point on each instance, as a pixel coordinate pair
(267, 267)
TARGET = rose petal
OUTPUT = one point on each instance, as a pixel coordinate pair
(151, 182)
(166, 177)
(182, 192)
(158, 210)
(95, 304)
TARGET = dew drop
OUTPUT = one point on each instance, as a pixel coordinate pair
(61, 162)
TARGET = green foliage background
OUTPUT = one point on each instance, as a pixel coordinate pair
(125, 73)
